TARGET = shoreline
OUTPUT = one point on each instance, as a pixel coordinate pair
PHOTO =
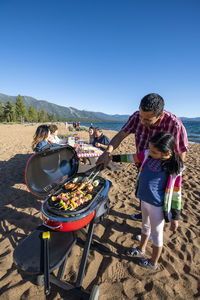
(87, 127)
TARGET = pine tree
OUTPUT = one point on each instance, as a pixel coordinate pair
(2, 112)
(9, 112)
(52, 118)
(20, 109)
(33, 114)
(43, 117)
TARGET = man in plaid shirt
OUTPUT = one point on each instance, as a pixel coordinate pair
(145, 123)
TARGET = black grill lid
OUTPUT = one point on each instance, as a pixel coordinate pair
(47, 170)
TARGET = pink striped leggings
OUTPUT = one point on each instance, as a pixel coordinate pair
(153, 222)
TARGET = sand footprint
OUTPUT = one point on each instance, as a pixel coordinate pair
(170, 268)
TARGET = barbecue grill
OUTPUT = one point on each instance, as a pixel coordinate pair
(48, 174)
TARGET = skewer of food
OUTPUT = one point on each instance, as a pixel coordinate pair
(77, 194)
(71, 202)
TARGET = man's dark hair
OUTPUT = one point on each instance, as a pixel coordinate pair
(152, 102)
(98, 129)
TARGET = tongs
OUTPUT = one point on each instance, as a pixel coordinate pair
(93, 174)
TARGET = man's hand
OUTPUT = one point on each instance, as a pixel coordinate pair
(174, 225)
(98, 145)
(104, 159)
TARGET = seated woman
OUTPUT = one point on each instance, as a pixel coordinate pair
(91, 135)
(41, 138)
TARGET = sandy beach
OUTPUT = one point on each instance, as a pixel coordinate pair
(118, 276)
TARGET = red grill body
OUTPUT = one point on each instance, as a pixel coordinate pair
(47, 172)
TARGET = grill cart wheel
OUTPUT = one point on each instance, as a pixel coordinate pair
(95, 293)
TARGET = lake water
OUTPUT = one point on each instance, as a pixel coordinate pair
(192, 128)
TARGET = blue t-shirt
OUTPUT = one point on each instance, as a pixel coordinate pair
(152, 182)
(40, 145)
(103, 139)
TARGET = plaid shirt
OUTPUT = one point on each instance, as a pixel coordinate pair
(169, 123)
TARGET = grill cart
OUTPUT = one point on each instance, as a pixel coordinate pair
(72, 201)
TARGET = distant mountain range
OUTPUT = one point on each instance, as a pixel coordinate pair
(72, 113)
(63, 112)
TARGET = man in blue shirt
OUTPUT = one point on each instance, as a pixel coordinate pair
(100, 140)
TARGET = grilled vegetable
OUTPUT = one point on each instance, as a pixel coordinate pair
(69, 186)
(73, 201)
(63, 204)
(87, 197)
(75, 179)
(82, 186)
(90, 188)
(96, 183)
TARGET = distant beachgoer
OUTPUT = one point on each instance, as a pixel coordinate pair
(66, 124)
(41, 138)
(100, 140)
(158, 186)
(91, 135)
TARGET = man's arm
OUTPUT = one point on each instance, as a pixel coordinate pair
(114, 143)
(181, 140)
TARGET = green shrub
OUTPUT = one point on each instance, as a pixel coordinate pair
(63, 136)
(81, 129)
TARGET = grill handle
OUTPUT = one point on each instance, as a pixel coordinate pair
(94, 173)
(46, 237)
(52, 227)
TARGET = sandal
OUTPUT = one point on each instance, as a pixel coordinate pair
(135, 252)
(145, 262)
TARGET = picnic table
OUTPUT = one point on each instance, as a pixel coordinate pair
(86, 150)
(88, 156)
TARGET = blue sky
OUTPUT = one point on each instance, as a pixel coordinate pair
(102, 55)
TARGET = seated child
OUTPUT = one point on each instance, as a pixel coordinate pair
(41, 138)
(53, 134)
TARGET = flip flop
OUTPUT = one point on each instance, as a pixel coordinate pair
(145, 262)
(135, 252)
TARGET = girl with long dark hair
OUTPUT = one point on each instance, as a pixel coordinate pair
(41, 138)
(158, 186)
